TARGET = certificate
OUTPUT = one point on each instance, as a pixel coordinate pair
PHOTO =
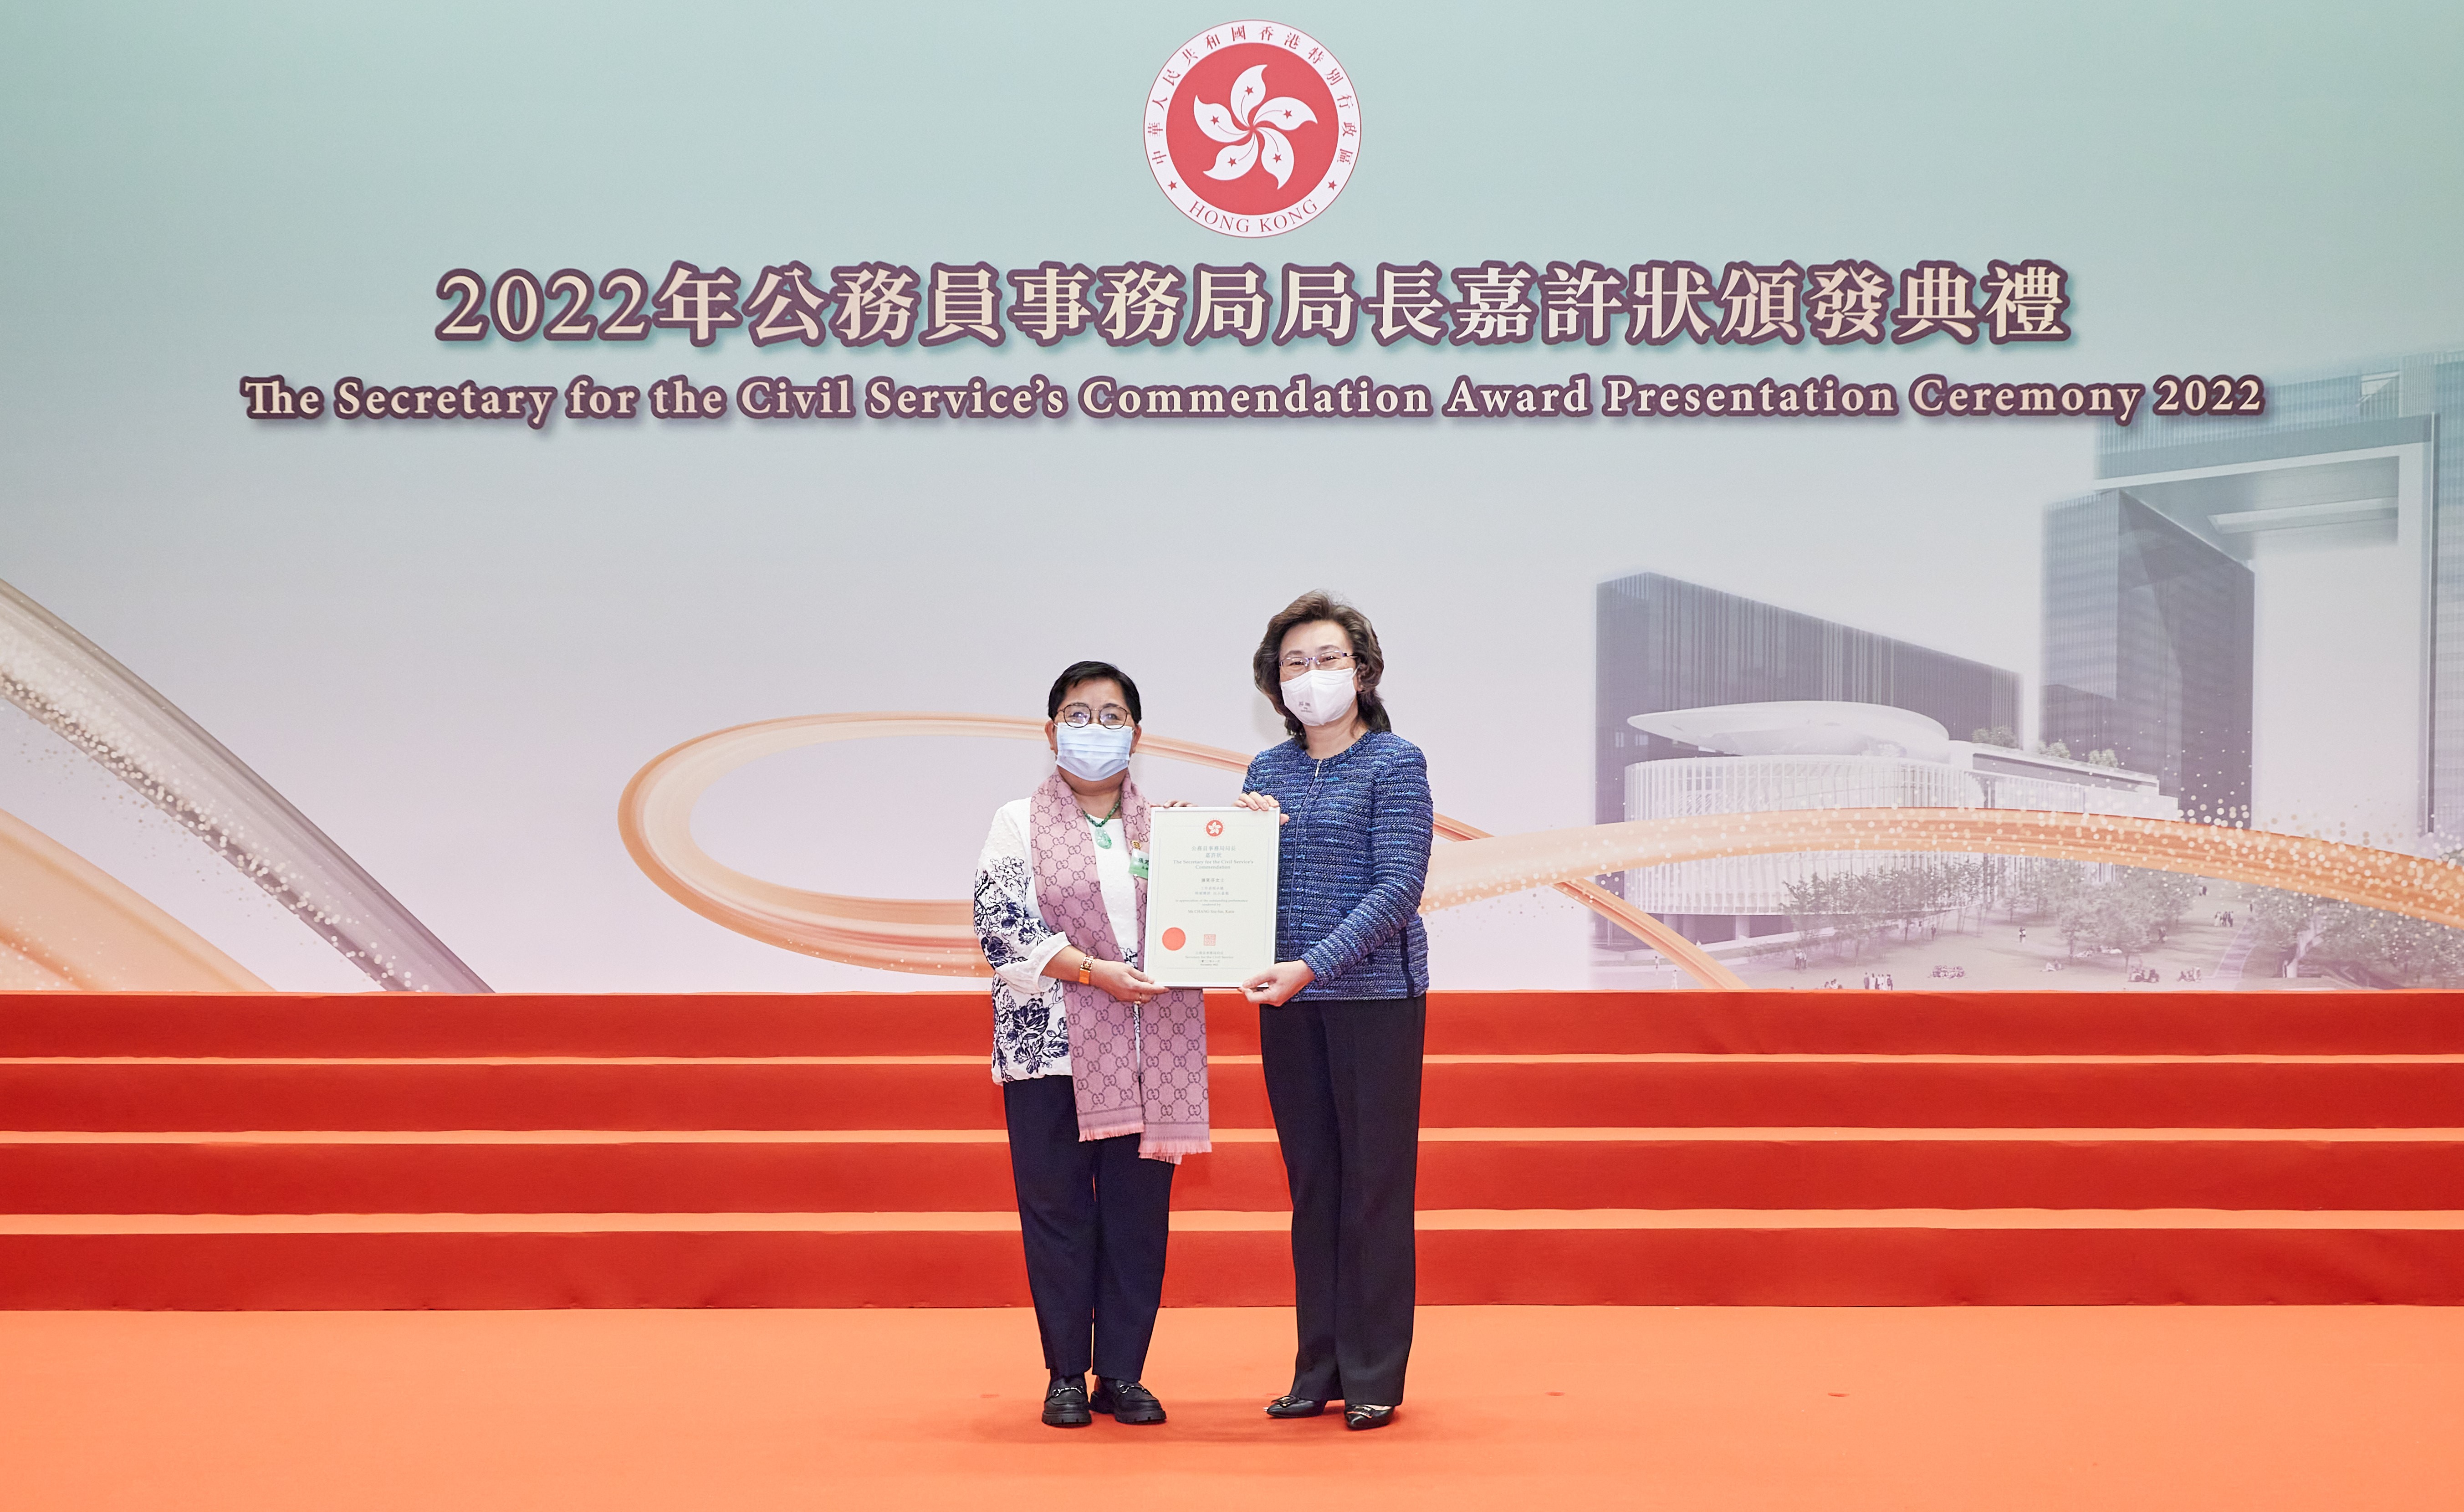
(1210, 895)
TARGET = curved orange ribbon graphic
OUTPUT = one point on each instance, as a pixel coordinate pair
(655, 817)
(68, 926)
(937, 936)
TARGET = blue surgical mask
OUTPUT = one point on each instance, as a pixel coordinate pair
(1093, 753)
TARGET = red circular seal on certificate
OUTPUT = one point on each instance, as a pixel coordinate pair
(1214, 827)
(1253, 128)
(1174, 938)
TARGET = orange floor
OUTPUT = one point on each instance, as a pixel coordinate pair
(1698, 1408)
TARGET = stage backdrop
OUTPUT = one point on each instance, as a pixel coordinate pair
(417, 419)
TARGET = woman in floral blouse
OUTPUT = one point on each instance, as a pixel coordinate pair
(1102, 1071)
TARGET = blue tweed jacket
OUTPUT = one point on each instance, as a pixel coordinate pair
(1355, 858)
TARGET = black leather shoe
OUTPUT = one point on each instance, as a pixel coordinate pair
(1356, 1414)
(1064, 1403)
(1127, 1401)
(1294, 1407)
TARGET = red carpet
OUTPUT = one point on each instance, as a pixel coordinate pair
(1782, 1147)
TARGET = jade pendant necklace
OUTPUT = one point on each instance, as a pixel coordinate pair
(1103, 839)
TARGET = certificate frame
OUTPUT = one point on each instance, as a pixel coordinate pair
(1211, 878)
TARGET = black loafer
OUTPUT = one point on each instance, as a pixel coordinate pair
(1296, 1407)
(1127, 1401)
(1356, 1415)
(1064, 1403)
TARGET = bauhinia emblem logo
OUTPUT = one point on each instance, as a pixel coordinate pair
(1253, 128)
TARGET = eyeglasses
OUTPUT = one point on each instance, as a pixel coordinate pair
(1112, 717)
(1295, 663)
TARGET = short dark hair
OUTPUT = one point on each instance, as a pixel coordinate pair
(1367, 661)
(1078, 672)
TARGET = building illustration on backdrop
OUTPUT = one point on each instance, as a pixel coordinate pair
(2315, 553)
(2251, 620)
(1667, 644)
(1709, 702)
(2148, 651)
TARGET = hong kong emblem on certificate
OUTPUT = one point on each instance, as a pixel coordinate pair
(1253, 128)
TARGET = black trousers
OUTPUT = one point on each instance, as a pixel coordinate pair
(1095, 1217)
(1344, 1079)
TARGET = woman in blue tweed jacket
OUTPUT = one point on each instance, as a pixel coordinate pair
(1344, 1011)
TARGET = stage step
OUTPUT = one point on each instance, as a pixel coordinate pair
(1680, 1147)
(968, 1170)
(932, 1092)
(2142, 1022)
(890, 1260)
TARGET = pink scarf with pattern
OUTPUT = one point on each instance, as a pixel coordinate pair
(1139, 1069)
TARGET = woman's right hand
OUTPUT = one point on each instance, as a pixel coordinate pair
(1126, 982)
(1263, 803)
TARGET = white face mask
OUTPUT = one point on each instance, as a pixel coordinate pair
(1321, 695)
(1093, 753)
